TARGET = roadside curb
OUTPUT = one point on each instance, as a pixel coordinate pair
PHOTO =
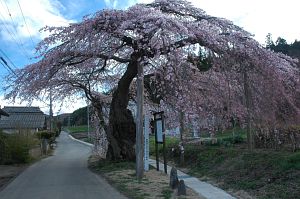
(82, 142)
(204, 189)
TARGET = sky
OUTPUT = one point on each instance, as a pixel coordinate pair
(21, 20)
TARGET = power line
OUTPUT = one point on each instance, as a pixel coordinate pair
(25, 23)
(10, 70)
(11, 34)
(15, 32)
(5, 64)
(8, 59)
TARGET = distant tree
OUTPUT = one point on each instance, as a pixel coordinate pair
(80, 116)
(154, 35)
(281, 42)
(281, 45)
(269, 41)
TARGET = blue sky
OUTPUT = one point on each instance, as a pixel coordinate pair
(18, 37)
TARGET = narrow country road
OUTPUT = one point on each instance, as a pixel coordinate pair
(62, 176)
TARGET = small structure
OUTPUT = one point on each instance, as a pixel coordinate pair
(22, 118)
(181, 190)
(173, 178)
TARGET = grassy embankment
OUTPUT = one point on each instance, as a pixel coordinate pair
(77, 129)
(228, 164)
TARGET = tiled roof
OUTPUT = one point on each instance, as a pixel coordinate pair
(22, 117)
(3, 113)
(22, 109)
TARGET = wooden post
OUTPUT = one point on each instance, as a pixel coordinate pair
(160, 138)
(164, 145)
(146, 142)
(164, 154)
(156, 147)
(139, 151)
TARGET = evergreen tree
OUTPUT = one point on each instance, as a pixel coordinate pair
(269, 41)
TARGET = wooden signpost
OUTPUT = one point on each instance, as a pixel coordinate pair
(146, 142)
(160, 138)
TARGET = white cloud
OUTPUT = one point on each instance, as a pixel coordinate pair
(111, 3)
(38, 13)
(256, 16)
(280, 18)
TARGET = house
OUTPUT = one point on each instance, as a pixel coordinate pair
(22, 118)
(3, 113)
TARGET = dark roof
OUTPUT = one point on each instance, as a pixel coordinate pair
(22, 109)
(3, 113)
(22, 117)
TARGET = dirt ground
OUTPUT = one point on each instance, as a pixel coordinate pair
(8, 173)
(153, 186)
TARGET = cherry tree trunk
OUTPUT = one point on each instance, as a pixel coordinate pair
(182, 134)
(100, 142)
(121, 132)
(247, 92)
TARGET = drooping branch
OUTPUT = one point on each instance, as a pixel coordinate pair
(105, 49)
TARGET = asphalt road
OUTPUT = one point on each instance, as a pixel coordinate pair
(62, 176)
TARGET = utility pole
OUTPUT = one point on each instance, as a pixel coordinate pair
(69, 120)
(51, 112)
(139, 150)
(88, 119)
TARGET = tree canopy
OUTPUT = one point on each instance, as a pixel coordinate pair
(168, 38)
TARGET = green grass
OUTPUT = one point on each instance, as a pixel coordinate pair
(227, 138)
(76, 129)
(227, 133)
(265, 174)
(232, 132)
(167, 193)
(170, 142)
(262, 173)
(107, 166)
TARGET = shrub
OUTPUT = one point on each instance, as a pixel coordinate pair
(291, 162)
(4, 155)
(45, 134)
(14, 148)
(57, 132)
(211, 142)
(277, 137)
(233, 139)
